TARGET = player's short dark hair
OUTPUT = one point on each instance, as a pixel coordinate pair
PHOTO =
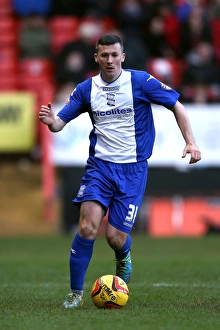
(109, 39)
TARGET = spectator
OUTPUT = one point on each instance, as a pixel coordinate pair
(76, 59)
(129, 16)
(155, 38)
(201, 74)
(99, 8)
(171, 26)
(149, 9)
(195, 29)
(34, 37)
(137, 52)
(214, 9)
(214, 15)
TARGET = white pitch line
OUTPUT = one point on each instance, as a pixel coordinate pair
(196, 285)
(176, 285)
(87, 285)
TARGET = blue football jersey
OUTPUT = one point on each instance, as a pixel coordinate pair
(121, 114)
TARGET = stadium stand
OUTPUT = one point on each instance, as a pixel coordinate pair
(64, 29)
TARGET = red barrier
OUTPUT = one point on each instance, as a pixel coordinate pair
(180, 216)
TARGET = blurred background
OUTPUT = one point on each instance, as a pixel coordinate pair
(46, 49)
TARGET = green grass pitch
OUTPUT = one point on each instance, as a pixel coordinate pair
(175, 285)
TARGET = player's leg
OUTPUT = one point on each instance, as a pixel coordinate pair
(116, 238)
(120, 242)
(131, 184)
(91, 214)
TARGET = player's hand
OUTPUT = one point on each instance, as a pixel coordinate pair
(46, 114)
(194, 152)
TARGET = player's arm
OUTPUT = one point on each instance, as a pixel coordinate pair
(186, 130)
(47, 116)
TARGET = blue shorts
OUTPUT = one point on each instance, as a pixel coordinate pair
(118, 187)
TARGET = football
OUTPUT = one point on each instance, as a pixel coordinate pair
(109, 291)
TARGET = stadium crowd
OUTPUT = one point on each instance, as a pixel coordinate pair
(53, 41)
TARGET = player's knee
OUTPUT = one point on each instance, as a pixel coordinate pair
(87, 230)
(116, 240)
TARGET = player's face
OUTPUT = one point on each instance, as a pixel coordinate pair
(109, 59)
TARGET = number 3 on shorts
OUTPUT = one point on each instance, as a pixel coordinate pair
(132, 212)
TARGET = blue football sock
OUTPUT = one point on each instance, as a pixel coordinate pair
(80, 256)
(124, 250)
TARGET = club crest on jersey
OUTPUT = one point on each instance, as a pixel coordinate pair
(81, 191)
(165, 87)
(110, 99)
